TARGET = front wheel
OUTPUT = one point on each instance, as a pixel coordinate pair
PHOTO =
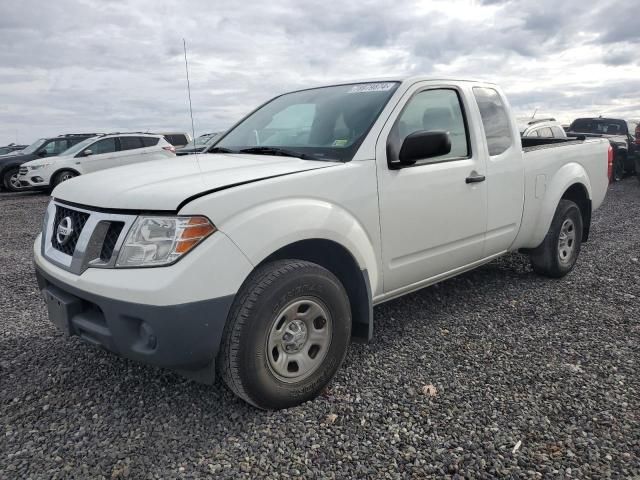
(62, 176)
(558, 252)
(619, 167)
(10, 181)
(286, 336)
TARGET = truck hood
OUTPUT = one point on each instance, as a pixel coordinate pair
(9, 157)
(166, 184)
(46, 160)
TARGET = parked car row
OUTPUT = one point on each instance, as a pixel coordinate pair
(542, 127)
(12, 147)
(199, 145)
(49, 161)
(622, 134)
(93, 154)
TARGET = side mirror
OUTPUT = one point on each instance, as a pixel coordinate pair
(42, 153)
(86, 153)
(424, 144)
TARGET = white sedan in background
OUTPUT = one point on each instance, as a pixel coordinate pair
(94, 154)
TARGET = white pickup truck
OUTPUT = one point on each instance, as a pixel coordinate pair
(262, 259)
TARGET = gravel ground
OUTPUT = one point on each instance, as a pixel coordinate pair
(531, 378)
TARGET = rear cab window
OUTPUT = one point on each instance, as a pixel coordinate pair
(495, 120)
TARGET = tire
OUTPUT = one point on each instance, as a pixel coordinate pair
(558, 252)
(10, 181)
(267, 357)
(62, 176)
(619, 167)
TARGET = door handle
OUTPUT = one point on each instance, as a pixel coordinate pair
(475, 178)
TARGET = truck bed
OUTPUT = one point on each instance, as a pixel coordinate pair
(537, 143)
(543, 158)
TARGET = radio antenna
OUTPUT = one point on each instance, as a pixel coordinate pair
(186, 67)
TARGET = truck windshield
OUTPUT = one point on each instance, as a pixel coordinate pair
(602, 126)
(321, 123)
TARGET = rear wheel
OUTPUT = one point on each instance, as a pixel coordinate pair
(62, 176)
(286, 336)
(619, 167)
(10, 181)
(558, 252)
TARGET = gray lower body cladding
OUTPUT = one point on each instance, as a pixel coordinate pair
(183, 337)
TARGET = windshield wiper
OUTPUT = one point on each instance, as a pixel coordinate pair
(282, 152)
(221, 150)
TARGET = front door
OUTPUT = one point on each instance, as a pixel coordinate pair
(432, 220)
(103, 155)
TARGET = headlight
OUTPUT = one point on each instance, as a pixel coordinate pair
(154, 241)
(36, 167)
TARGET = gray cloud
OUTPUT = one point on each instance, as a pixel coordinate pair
(620, 24)
(73, 65)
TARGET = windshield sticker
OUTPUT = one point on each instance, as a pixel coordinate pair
(340, 143)
(371, 87)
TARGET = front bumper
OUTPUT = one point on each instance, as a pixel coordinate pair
(183, 337)
(33, 180)
(171, 316)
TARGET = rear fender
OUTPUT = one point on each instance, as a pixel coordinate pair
(567, 176)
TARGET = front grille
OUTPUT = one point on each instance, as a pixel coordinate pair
(87, 238)
(110, 240)
(23, 170)
(78, 219)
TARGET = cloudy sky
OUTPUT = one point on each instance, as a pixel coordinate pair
(106, 65)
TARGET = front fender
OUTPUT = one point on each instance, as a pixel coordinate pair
(266, 228)
(6, 166)
(554, 188)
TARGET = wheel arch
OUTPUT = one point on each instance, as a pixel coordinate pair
(339, 261)
(7, 167)
(63, 169)
(571, 182)
(579, 195)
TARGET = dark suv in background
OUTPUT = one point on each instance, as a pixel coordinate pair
(44, 147)
(623, 136)
(12, 147)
